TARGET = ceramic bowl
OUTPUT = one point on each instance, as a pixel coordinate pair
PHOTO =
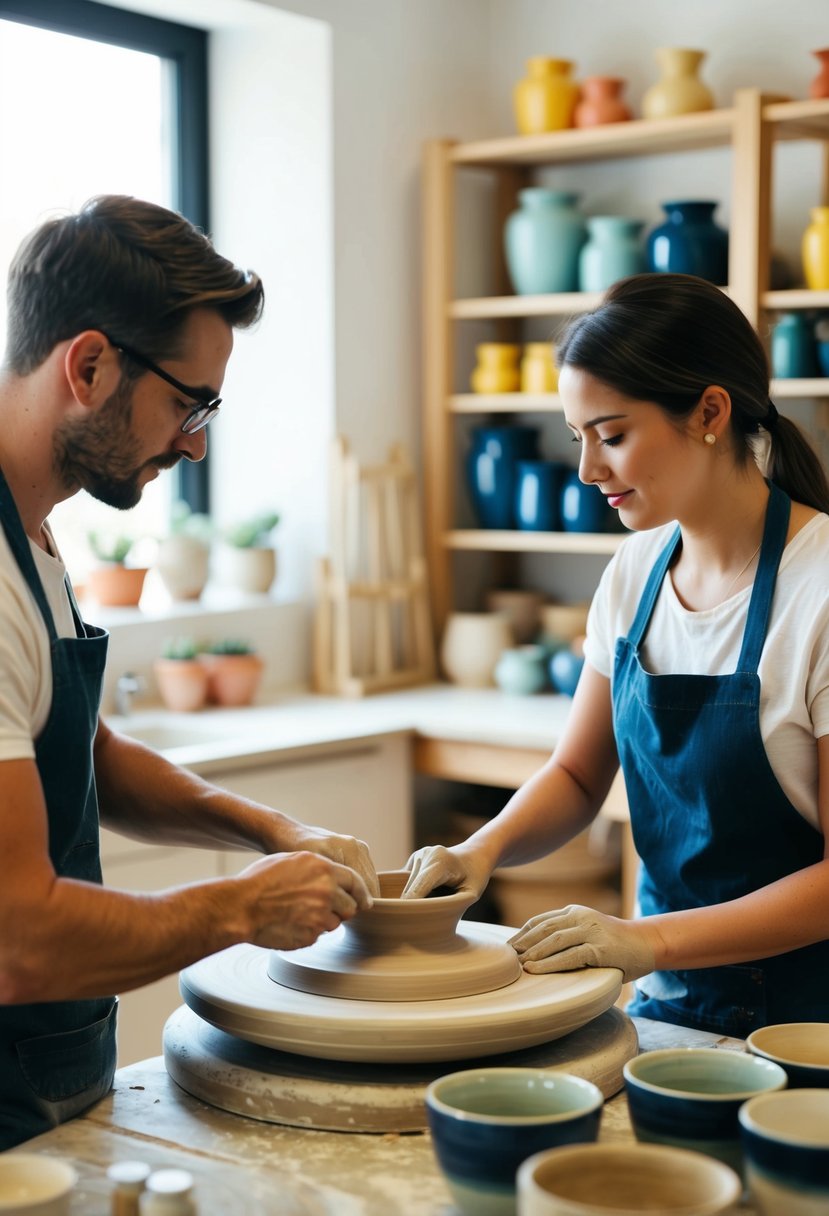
(801, 1048)
(486, 1121)
(563, 622)
(786, 1147)
(689, 1097)
(625, 1180)
(32, 1184)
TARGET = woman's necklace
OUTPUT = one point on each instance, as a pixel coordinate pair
(738, 576)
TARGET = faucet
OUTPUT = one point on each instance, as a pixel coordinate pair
(126, 687)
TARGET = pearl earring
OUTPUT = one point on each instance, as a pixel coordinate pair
(709, 438)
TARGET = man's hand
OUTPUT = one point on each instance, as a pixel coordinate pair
(345, 850)
(436, 866)
(573, 937)
(291, 898)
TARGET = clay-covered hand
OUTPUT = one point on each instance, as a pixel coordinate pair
(291, 898)
(436, 866)
(575, 936)
(347, 850)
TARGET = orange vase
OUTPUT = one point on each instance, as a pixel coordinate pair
(819, 87)
(546, 98)
(601, 102)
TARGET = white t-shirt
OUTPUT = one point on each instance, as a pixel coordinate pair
(794, 664)
(25, 666)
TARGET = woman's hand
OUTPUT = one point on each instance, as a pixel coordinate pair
(436, 866)
(573, 937)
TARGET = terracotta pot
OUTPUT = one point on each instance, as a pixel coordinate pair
(601, 102)
(182, 683)
(116, 586)
(819, 87)
(232, 679)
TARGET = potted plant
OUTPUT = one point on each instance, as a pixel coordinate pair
(112, 582)
(180, 676)
(250, 561)
(234, 671)
(183, 557)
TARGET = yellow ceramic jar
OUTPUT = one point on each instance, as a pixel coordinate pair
(679, 89)
(538, 371)
(546, 99)
(497, 370)
(815, 250)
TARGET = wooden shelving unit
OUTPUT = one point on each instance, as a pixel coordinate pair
(749, 129)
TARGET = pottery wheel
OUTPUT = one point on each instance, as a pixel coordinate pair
(275, 1087)
(233, 991)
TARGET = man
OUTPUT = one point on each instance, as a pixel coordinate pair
(121, 324)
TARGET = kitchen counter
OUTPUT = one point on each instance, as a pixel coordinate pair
(246, 1168)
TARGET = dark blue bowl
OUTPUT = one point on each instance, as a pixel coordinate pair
(785, 1139)
(800, 1048)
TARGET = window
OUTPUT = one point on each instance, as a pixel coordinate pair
(124, 110)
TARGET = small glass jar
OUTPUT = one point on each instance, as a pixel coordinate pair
(128, 1180)
(168, 1193)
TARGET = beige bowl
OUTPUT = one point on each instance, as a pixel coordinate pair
(32, 1184)
(625, 1180)
(564, 622)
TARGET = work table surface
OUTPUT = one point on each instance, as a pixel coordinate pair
(246, 1168)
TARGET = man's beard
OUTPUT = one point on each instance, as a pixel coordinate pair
(100, 454)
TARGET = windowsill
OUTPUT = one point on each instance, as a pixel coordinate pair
(215, 600)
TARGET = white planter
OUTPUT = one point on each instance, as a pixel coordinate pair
(252, 570)
(182, 563)
(472, 644)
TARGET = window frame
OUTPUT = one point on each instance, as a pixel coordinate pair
(186, 46)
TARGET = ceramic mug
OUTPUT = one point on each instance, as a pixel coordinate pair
(786, 1146)
(32, 1184)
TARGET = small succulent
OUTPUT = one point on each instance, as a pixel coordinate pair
(251, 532)
(184, 522)
(230, 646)
(180, 648)
(110, 547)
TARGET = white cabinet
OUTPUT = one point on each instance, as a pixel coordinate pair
(362, 788)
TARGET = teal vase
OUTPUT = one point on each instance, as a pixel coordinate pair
(793, 348)
(613, 251)
(689, 242)
(542, 241)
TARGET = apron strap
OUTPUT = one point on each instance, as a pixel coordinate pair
(649, 595)
(759, 610)
(21, 548)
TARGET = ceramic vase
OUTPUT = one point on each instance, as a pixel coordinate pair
(565, 670)
(537, 488)
(491, 470)
(539, 373)
(471, 646)
(497, 368)
(689, 242)
(613, 251)
(521, 608)
(679, 89)
(522, 671)
(542, 240)
(601, 102)
(793, 348)
(819, 86)
(815, 250)
(583, 507)
(546, 98)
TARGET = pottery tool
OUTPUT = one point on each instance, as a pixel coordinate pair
(372, 629)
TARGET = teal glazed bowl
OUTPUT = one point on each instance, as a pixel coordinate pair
(801, 1048)
(689, 1097)
(486, 1121)
(786, 1148)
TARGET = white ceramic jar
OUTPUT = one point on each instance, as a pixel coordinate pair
(472, 644)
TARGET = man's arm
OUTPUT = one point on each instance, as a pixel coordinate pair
(142, 795)
(65, 939)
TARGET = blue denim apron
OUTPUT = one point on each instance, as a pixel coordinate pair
(57, 1058)
(709, 818)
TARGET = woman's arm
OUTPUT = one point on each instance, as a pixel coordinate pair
(558, 802)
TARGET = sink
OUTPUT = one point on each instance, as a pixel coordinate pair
(165, 735)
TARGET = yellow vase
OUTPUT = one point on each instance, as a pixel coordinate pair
(538, 371)
(679, 90)
(545, 100)
(497, 370)
(815, 250)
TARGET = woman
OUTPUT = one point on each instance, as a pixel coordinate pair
(706, 675)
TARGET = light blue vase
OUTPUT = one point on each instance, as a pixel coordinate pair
(613, 251)
(542, 240)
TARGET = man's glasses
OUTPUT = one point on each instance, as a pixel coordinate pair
(201, 414)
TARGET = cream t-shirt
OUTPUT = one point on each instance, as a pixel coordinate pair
(25, 667)
(794, 664)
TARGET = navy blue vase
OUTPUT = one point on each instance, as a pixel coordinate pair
(537, 491)
(491, 470)
(583, 508)
(689, 242)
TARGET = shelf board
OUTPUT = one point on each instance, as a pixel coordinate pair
(799, 119)
(560, 304)
(815, 387)
(797, 297)
(638, 137)
(505, 403)
(492, 540)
